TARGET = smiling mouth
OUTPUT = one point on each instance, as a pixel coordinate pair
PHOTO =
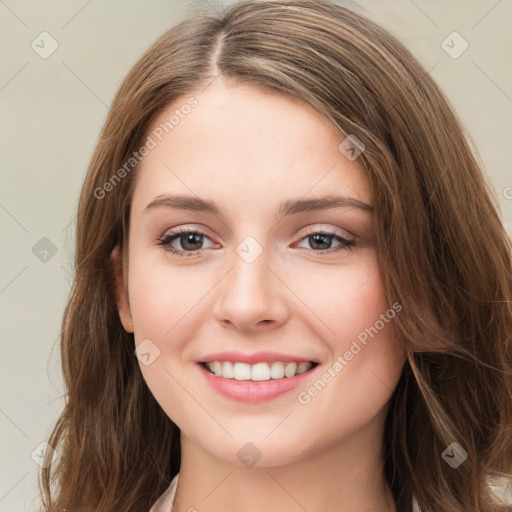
(259, 371)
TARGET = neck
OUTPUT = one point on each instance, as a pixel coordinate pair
(345, 477)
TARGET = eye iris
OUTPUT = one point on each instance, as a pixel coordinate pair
(324, 243)
(191, 238)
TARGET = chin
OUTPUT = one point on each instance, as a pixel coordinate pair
(253, 448)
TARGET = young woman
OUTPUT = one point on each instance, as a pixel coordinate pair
(292, 287)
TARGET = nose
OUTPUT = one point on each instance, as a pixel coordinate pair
(252, 296)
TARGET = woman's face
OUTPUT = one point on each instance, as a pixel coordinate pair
(256, 288)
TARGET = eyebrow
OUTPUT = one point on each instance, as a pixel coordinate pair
(291, 206)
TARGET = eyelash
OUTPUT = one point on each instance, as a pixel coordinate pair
(166, 240)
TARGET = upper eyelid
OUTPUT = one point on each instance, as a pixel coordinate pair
(329, 231)
(200, 230)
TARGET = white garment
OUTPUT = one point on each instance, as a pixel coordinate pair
(165, 502)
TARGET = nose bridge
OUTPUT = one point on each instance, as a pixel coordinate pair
(250, 292)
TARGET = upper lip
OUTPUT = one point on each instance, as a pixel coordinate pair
(257, 357)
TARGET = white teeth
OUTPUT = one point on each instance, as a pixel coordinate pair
(227, 369)
(277, 370)
(258, 371)
(290, 369)
(241, 371)
(217, 367)
(303, 367)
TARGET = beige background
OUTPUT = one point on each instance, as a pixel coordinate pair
(51, 113)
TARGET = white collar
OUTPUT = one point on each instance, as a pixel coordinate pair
(166, 500)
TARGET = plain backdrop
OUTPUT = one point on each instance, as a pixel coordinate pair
(52, 108)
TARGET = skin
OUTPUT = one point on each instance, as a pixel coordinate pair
(248, 151)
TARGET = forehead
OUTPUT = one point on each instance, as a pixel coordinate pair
(241, 144)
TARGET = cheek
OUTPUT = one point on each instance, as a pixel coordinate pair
(361, 332)
(162, 301)
(366, 335)
(162, 305)
(347, 299)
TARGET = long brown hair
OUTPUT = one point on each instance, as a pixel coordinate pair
(442, 249)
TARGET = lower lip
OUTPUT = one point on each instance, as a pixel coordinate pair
(254, 391)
